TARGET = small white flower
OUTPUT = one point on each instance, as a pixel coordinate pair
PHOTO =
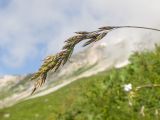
(128, 87)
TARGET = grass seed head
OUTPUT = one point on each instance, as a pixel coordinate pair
(54, 62)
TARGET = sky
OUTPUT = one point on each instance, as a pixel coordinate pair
(33, 29)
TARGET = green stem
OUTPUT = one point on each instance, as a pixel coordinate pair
(147, 86)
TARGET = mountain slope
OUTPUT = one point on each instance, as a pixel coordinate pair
(101, 96)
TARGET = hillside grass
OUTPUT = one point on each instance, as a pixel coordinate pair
(100, 97)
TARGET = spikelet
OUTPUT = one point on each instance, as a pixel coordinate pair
(107, 27)
(82, 32)
(42, 72)
(67, 56)
(89, 42)
(100, 36)
(39, 82)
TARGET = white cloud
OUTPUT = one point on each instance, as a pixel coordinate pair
(24, 24)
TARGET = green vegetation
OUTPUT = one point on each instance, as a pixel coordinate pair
(100, 97)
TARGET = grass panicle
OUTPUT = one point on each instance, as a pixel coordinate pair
(53, 62)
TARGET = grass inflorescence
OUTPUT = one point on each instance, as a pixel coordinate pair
(53, 62)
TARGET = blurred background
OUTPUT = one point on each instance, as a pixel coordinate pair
(95, 86)
(33, 29)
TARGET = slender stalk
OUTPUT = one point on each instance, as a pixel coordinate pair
(148, 28)
(147, 86)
